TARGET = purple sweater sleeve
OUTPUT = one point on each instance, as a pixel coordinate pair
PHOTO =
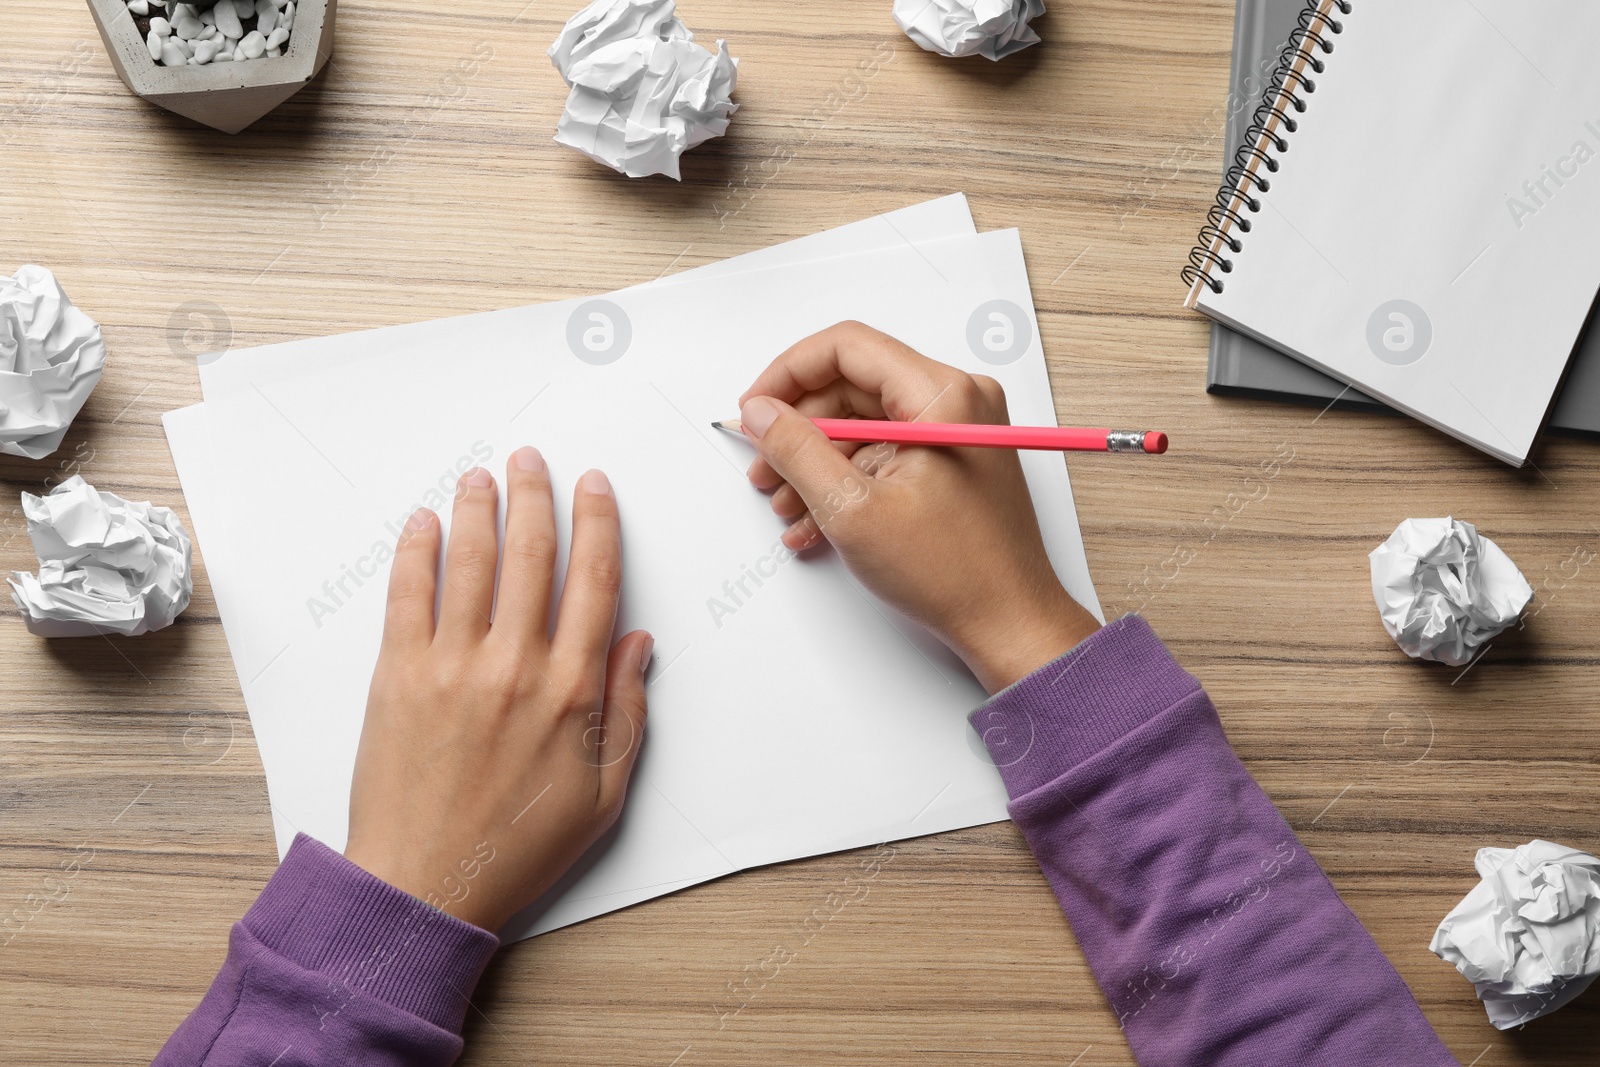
(1212, 932)
(333, 965)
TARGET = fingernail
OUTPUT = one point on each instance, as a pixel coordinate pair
(594, 482)
(420, 519)
(758, 415)
(645, 652)
(528, 459)
(478, 478)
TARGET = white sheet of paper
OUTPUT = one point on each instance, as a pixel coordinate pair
(189, 434)
(865, 738)
(947, 216)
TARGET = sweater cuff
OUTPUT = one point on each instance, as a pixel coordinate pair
(326, 914)
(1070, 710)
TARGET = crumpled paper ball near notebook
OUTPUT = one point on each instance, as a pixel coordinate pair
(1444, 590)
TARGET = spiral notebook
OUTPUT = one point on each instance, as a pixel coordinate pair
(1414, 212)
(1242, 366)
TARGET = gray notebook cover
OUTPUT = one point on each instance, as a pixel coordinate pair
(1243, 366)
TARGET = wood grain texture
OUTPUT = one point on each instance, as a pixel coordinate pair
(398, 187)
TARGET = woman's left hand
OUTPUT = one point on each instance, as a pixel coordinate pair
(494, 753)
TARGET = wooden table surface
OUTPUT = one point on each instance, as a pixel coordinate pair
(416, 178)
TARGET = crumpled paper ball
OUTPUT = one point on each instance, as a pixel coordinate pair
(106, 565)
(51, 355)
(1443, 590)
(1528, 935)
(990, 28)
(643, 92)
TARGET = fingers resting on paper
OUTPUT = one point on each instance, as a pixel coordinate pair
(413, 585)
(470, 559)
(594, 571)
(476, 722)
(528, 560)
(623, 714)
(518, 601)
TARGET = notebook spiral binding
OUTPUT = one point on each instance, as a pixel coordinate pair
(1313, 28)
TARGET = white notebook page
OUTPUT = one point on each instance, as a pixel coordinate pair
(1429, 236)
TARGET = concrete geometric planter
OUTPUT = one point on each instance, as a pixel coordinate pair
(224, 96)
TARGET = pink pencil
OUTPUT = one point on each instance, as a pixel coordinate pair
(971, 435)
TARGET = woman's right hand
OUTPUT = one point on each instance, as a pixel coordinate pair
(947, 535)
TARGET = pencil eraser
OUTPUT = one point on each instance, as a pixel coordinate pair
(1155, 442)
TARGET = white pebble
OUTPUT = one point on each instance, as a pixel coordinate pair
(160, 27)
(276, 38)
(288, 16)
(206, 51)
(224, 56)
(253, 46)
(208, 18)
(154, 42)
(187, 26)
(171, 54)
(139, 7)
(208, 33)
(266, 16)
(228, 19)
(274, 53)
